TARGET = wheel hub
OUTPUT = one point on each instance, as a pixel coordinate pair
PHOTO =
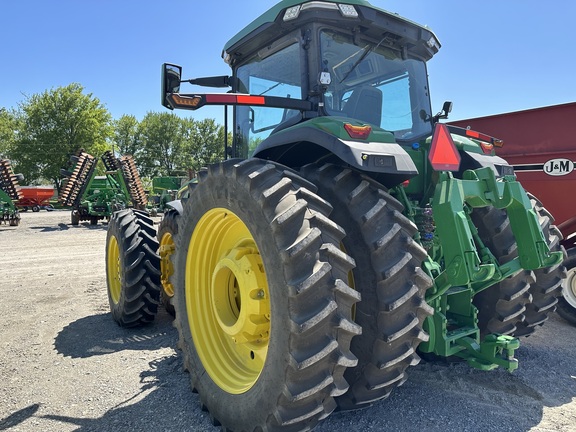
(239, 296)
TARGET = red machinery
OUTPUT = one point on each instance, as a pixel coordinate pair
(540, 144)
(35, 198)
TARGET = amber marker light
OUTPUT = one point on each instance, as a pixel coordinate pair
(192, 102)
(358, 132)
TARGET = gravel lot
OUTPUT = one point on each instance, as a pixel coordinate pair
(66, 366)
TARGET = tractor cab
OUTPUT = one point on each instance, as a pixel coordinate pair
(320, 71)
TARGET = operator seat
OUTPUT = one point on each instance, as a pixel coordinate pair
(365, 103)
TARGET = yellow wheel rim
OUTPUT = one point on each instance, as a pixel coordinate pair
(227, 301)
(166, 268)
(114, 270)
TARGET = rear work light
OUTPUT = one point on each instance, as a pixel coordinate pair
(358, 132)
(347, 11)
(444, 155)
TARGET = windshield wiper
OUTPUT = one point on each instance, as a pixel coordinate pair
(362, 57)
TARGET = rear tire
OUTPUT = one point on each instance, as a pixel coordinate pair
(167, 232)
(501, 307)
(388, 276)
(548, 285)
(520, 303)
(263, 313)
(132, 268)
(567, 303)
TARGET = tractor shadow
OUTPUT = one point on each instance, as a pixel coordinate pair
(65, 227)
(18, 417)
(99, 335)
(438, 396)
(165, 400)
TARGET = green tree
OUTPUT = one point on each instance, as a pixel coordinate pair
(161, 138)
(204, 144)
(126, 135)
(8, 127)
(56, 124)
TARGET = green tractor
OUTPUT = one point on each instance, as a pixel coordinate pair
(164, 190)
(93, 197)
(9, 193)
(348, 231)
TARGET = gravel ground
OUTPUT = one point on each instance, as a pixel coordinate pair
(66, 366)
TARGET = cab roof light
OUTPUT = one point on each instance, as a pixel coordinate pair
(358, 132)
(348, 11)
(444, 155)
(292, 13)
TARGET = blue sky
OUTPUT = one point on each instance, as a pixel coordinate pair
(496, 56)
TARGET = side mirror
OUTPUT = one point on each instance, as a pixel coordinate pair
(171, 79)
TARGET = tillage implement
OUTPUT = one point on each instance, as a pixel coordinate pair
(348, 230)
(94, 197)
(9, 193)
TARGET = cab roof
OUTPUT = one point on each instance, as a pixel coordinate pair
(271, 20)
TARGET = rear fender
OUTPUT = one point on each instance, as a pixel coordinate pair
(300, 145)
(499, 166)
(175, 205)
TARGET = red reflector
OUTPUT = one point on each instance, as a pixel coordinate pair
(235, 99)
(220, 98)
(358, 132)
(443, 155)
(251, 100)
(479, 136)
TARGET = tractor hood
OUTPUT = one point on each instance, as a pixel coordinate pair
(357, 15)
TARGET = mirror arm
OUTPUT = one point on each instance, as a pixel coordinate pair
(216, 81)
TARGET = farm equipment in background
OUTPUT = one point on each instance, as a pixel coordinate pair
(539, 144)
(9, 193)
(349, 230)
(35, 198)
(93, 197)
(164, 190)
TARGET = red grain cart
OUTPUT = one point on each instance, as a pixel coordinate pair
(540, 144)
(35, 198)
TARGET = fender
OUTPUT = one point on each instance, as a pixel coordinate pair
(176, 205)
(476, 160)
(306, 143)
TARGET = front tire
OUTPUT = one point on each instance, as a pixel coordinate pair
(263, 313)
(132, 268)
(388, 276)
